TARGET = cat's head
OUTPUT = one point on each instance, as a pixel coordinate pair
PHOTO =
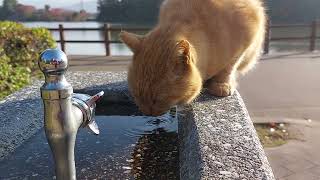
(162, 73)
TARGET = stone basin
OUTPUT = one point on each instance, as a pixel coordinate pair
(214, 137)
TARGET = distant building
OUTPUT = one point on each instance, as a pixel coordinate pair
(56, 11)
(25, 10)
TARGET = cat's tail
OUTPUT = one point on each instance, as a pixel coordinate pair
(250, 59)
(254, 51)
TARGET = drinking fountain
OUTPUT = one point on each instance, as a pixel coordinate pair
(64, 112)
(214, 138)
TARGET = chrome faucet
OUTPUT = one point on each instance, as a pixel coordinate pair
(64, 112)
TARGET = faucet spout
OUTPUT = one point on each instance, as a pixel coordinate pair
(64, 112)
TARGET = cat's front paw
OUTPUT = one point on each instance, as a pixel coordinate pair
(220, 89)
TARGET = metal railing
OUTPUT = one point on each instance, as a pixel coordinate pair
(107, 29)
(312, 37)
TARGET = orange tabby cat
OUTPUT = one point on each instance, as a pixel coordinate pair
(195, 41)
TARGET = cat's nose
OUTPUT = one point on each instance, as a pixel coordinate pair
(146, 111)
(157, 112)
(152, 112)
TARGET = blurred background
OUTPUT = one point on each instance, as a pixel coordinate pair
(281, 93)
(143, 13)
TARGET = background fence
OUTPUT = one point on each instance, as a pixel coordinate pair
(107, 29)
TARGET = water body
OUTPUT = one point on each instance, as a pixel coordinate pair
(83, 49)
(128, 147)
(121, 49)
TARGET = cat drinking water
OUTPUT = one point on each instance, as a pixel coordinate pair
(195, 42)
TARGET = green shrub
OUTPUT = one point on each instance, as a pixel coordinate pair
(20, 48)
(23, 45)
(11, 78)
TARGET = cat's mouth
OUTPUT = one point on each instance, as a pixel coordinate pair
(154, 113)
(163, 113)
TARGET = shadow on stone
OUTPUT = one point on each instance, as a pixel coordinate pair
(190, 157)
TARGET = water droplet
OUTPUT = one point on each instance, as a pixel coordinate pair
(127, 171)
(130, 160)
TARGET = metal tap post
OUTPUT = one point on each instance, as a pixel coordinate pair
(64, 112)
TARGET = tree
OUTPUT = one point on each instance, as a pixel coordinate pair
(9, 7)
(129, 11)
(46, 8)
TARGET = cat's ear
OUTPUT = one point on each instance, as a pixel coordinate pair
(183, 48)
(133, 41)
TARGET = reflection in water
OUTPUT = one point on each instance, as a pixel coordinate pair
(155, 156)
(128, 147)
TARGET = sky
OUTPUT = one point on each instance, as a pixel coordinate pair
(89, 5)
(52, 3)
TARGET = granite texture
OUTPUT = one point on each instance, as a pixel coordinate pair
(218, 141)
(217, 137)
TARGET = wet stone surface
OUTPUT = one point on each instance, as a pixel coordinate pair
(128, 147)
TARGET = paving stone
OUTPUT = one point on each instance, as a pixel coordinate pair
(300, 165)
(280, 171)
(315, 171)
(302, 158)
(302, 176)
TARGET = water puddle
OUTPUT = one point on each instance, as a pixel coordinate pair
(128, 147)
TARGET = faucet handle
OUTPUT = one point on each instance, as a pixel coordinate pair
(91, 102)
(94, 98)
(87, 105)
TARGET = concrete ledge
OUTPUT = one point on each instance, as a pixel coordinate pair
(218, 141)
(217, 137)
